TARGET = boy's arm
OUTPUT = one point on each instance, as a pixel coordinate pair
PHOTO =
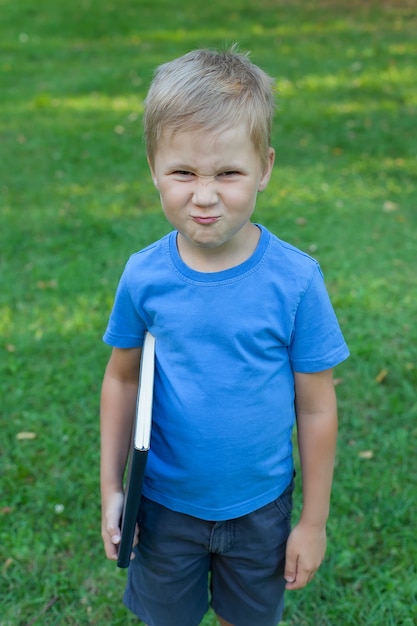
(316, 412)
(117, 409)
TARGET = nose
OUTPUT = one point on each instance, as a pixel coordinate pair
(204, 193)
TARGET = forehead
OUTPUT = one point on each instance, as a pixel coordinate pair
(217, 148)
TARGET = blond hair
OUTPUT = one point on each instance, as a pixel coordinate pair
(210, 90)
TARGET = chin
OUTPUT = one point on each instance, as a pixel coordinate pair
(209, 245)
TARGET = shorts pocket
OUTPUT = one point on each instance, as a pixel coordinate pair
(284, 502)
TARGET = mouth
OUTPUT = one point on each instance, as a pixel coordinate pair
(204, 220)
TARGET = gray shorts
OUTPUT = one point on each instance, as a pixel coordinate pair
(183, 562)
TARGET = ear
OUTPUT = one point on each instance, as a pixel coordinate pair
(266, 174)
(151, 168)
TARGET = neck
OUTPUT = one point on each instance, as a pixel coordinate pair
(219, 258)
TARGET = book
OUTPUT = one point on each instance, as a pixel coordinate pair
(141, 438)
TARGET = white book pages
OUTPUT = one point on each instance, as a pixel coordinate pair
(142, 437)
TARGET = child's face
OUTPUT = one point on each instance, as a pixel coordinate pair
(208, 184)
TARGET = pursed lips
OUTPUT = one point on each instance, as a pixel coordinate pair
(200, 219)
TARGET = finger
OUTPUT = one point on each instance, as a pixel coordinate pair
(302, 579)
(114, 534)
(110, 549)
(290, 571)
(136, 536)
(111, 539)
(135, 541)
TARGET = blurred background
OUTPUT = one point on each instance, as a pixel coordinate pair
(76, 200)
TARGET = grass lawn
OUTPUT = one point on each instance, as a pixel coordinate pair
(76, 200)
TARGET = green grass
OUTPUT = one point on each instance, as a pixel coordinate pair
(76, 200)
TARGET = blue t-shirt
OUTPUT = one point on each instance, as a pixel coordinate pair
(227, 344)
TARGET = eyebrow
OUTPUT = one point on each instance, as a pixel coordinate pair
(231, 167)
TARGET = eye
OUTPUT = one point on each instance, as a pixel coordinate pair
(228, 174)
(182, 173)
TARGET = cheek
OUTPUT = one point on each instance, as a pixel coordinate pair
(171, 197)
(244, 197)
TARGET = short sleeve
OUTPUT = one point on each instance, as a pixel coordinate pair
(126, 328)
(317, 342)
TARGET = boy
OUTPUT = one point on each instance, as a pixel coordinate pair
(246, 339)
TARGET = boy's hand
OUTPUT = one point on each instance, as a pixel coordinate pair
(306, 547)
(110, 530)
